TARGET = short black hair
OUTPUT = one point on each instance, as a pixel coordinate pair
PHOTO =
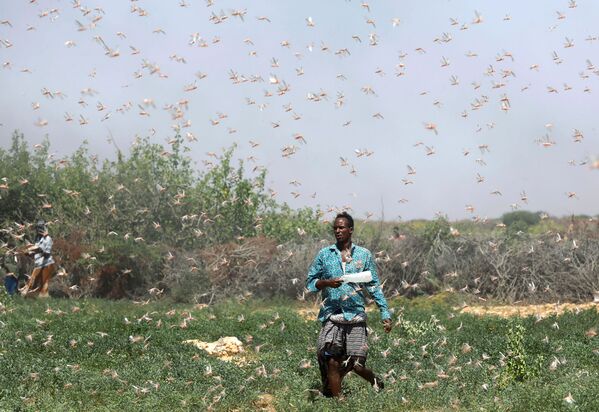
(345, 215)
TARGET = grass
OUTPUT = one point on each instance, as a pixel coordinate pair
(53, 358)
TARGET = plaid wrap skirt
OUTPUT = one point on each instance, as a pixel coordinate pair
(343, 339)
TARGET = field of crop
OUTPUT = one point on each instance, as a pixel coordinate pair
(102, 355)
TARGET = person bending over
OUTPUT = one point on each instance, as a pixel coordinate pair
(44, 263)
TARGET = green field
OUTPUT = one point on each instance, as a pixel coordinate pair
(105, 355)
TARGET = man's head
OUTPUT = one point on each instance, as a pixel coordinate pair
(40, 227)
(343, 227)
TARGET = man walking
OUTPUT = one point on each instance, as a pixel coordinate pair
(342, 342)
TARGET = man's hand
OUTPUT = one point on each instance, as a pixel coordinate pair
(329, 283)
(387, 325)
(335, 283)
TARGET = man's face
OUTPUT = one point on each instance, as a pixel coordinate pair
(342, 230)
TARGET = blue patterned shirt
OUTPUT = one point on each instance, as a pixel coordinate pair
(349, 297)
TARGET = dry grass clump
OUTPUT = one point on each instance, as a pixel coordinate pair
(489, 266)
(532, 268)
(490, 263)
(236, 261)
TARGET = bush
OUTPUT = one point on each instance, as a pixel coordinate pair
(437, 230)
(517, 228)
(136, 208)
(520, 365)
(528, 218)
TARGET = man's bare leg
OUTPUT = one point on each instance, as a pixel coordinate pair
(334, 376)
(322, 365)
(31, 282)
(46, 276)
(362, 371)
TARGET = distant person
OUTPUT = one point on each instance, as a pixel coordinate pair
(8, 264)
(342, 344)
(44, 266)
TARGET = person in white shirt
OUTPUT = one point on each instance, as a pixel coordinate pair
(44, 265)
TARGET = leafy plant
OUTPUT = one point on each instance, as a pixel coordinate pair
(437, 230)
(520, 365)
(414, 329)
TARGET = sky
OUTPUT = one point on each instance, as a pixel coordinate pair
(394, 109)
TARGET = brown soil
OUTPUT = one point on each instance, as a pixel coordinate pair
(264, 403)
(309, 312)
(542, 311)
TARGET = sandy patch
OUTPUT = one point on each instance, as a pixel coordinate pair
(308, 313)
(542, 311)
(227, 348)
(264, 403)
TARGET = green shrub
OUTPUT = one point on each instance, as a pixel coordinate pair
(139, 205)
(437, 230)
(517, 228)
(520, 365)
(529, 218)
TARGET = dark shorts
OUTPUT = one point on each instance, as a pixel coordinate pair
(341, 339)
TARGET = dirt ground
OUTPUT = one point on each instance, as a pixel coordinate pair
(309, 312)
(542, 311)
(505, 311)
(227, 348)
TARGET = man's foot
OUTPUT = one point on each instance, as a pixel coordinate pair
(378, 384)
(29, 292)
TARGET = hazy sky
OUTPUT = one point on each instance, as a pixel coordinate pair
(493, 105)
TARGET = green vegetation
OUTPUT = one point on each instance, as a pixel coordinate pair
(94, 354)
(519, 222)
(519, 365)
(154, 194)
(151, 220)
(436, 231)
(132, 215)
(528, 218)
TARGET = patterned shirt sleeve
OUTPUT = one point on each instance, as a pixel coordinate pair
(374, 288)
(315, 273)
